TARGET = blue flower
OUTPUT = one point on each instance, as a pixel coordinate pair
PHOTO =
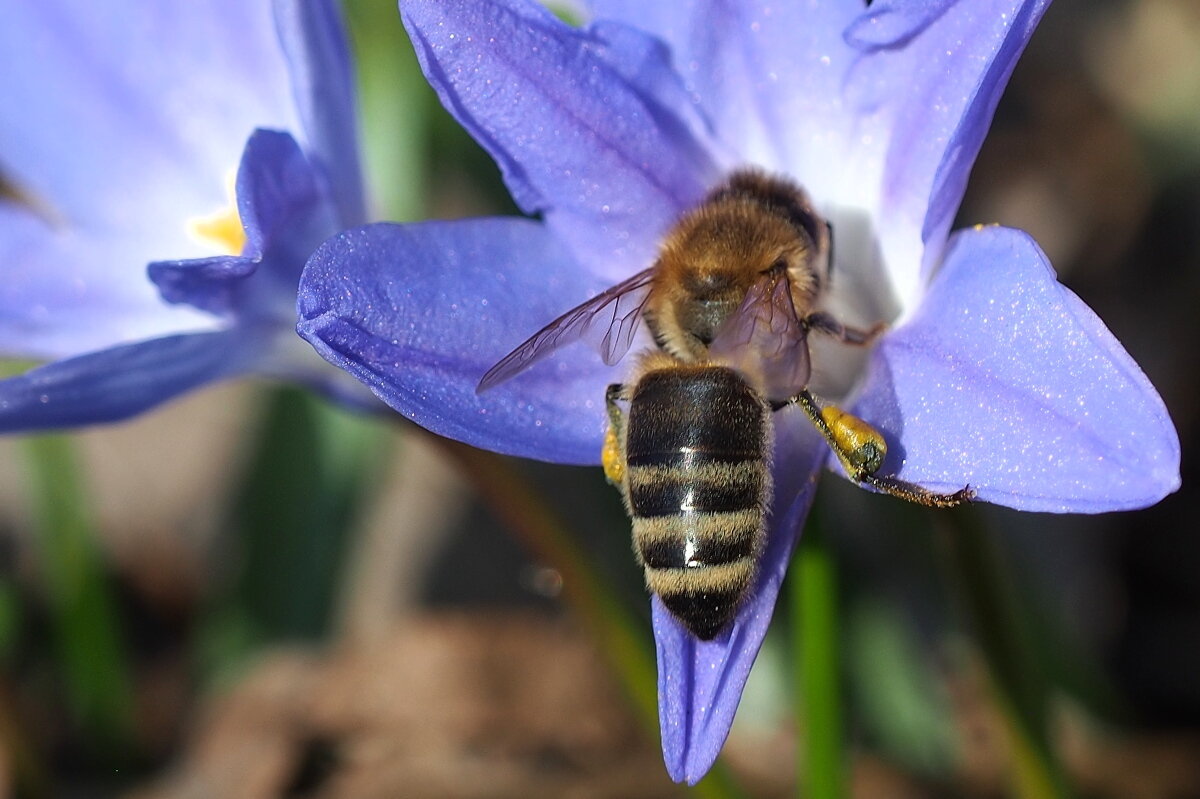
(120, 130)
(991, 373)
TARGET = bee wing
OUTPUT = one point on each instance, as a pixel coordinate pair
(766, 339)
(607, 321)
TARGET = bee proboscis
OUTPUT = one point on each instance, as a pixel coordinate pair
(730, 301)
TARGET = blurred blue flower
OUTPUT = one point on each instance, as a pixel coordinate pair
(992, 373)
(120, 131)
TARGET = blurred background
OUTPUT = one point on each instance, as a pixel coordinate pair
(251, 593)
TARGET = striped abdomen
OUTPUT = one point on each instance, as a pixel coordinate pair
(698, 485)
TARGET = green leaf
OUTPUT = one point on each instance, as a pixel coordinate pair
(294, 507)
(91, 652)
(903, 705)
(812, 584)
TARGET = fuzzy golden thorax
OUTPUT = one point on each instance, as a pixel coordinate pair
(712, 258)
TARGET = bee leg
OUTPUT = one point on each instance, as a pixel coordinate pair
(610, 453)
(861, 450)
(915, 493)
(616, 417)
(824, 323)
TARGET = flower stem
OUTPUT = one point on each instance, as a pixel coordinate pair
(91, 652)
(397, 109)
(813, 593)
(1018, 681)
(306, 469)
(521, 509)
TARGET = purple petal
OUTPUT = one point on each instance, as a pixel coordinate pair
(276, 188)
(314, 41)
(893, 23)
(285, 213)
(700, 682)
(67, 291)
(420, 312)
(930, 78)
(1006, 380)
(590, 128)
(881, 109)
(151, 109)
(117, 383)
(210, 284)
(151, 104)
(769, 75)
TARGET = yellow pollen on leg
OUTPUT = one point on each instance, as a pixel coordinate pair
(860, 444)
(223, 228)
(610, 458)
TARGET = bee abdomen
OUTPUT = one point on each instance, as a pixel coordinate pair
(685, 417)
(701, 563)
(704, 488)
(696, 541)
(705, 600)
(697, 484)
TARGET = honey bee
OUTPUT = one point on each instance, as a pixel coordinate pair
(730, 301)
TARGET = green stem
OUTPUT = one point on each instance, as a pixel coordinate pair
(396, 109)
(539, 529)
(90, 649)
(813, 593)
(1018, 680)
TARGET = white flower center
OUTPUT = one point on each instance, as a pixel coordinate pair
(860, 294)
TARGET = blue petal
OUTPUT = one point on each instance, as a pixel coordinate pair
(1006, 380)
(420, 312)
(281, 201)
(590, 128)
(65, 292)
(769, 75)
(893, 23)
(314, 41)
(130, 113)
(210, 284)
(285, 214)
(148, 120)
(881, 109)
(700, 682)
(117, 383)
(931, 77)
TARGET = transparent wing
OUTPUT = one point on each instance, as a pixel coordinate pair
(766, 339)
(607, 321)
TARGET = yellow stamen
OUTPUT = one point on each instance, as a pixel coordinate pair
(223, 228)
